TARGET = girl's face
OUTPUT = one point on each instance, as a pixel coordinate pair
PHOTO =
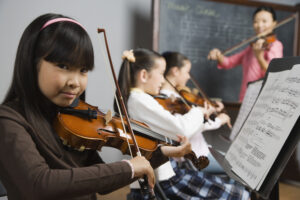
(262, 21)
(61, 84)
(155, 77)
(183, 74)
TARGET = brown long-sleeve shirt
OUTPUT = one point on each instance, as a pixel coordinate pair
(31, 168)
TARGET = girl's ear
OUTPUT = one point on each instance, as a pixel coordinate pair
(143, 76)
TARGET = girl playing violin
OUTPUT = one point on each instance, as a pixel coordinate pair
(53, 59)
(177, 74)
(141, 76)
(256, 57)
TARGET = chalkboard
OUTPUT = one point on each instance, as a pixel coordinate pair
(194, 27)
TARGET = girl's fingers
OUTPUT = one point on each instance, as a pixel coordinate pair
(151, 178)
(180, 138)
(141, 167)
(229, 124)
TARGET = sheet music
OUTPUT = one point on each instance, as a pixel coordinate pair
(263, 134)
(247, 104)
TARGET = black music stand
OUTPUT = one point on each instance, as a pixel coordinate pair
(270, 184)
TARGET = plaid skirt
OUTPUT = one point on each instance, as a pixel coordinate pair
(196, 185)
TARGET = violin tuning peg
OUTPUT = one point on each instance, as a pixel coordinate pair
(82, 148)
(108, 117)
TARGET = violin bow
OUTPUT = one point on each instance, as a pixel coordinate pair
(203, 94)
(123, 107)
(197, 86)
(255, 37)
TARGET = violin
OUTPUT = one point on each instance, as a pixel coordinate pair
(268, 39)
(86, 127)
(180, 106)
(195, 99)
(175, 105)
(190, 97)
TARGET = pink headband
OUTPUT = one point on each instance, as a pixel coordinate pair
(52, 21)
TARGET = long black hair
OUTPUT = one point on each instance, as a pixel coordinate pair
(265, 8)
(61, 42)
(174, 59)
(144, 59)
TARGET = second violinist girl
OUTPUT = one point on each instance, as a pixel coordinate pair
(141, 76)
(177, 74)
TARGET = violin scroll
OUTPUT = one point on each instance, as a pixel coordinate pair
(200, 163)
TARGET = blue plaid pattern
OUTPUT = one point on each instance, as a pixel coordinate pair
(197, 185)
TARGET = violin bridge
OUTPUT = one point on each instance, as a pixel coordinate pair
(173, 98)
(108, 117)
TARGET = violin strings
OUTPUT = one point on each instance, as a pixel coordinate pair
(115, 96)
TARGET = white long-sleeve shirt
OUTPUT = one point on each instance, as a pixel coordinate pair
(145, 108)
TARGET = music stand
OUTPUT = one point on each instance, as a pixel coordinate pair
(271, 180)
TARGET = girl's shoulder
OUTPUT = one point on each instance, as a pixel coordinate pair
(137, 97)
(8, 112)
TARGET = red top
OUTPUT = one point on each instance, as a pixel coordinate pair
(252, 70)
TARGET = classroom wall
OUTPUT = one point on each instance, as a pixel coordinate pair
(127, 24)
